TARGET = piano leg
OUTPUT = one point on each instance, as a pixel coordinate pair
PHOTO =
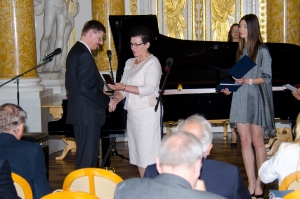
(225, 123)
(71, 145)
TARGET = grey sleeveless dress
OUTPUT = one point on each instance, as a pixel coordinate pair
(254, 103)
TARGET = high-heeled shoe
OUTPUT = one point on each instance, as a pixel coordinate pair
(274, 148)
(253, 196)
(271, 140)
(233, 144)
(261, 196)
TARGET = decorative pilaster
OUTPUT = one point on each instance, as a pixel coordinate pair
(283, 21)
(17, 38)
(101, 9)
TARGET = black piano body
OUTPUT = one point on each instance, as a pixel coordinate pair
(191, 70)
(115, 126)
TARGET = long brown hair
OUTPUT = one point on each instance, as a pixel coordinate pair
(254, 39)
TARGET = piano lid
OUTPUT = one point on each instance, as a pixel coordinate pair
(191, 58)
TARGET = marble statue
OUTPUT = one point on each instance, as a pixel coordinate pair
(58, 24)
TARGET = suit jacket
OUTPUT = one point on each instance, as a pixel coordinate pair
(219, 177)
(27, 160)
(86, 100)
(167, 186)
(284, 162)
(7, 188)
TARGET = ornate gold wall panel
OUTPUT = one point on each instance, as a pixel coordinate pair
(293, 22)
(101, 9)
(174, 18)
(221, 12)
(283, 21)
(17, 38)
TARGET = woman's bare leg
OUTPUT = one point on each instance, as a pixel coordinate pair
(142, 171)
(233, 134)
(244, 131)
(260, 151)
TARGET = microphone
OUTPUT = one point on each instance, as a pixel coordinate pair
(55, 52)
(169, 63)
(108, 52)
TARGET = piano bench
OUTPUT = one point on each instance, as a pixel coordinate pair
(35, 137)
(169, 125)
(224, 122)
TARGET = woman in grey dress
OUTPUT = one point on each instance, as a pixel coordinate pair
(252, 105)
(140, 86)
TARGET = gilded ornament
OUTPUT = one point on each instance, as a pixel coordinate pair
(174, 19)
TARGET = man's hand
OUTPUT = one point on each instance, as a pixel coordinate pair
(112, 105)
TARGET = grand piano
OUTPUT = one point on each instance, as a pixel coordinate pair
(198, 80)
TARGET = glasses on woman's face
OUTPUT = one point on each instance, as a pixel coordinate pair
(135, 44)
(235, 31)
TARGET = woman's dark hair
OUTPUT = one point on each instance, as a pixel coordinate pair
(229, 38)
(142, 31)
(254, 39)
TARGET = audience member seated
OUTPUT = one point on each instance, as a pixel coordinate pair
(7, 188)
(179, 164)
(219, 177)
(285, 161)
(25, 158)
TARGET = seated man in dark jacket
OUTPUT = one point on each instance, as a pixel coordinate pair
(7, 188)
(25, 158)
(219, 177)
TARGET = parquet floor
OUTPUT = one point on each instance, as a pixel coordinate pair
(58, 169)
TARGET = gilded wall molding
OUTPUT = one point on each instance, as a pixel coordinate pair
(174, 19)
(221, 12)
(133, 7)
(262, 16)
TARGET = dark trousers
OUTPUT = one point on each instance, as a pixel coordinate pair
(87, 145)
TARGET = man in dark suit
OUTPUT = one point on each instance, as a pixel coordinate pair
(7, 188)
(219, 177)
(25, 158)
(179, 165)
(87, 100)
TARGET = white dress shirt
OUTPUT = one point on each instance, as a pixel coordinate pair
(285, 161)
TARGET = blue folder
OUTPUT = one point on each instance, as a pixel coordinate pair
(240, 68)
(231, 87)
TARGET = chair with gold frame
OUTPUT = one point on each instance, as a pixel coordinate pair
(70, 195)
(22, 186)
(98, 182)
(291, 182)
(293, 195)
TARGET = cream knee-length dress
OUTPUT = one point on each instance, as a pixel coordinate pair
(143, 123)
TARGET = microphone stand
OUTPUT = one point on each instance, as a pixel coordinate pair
(17, 78)
(159, 101)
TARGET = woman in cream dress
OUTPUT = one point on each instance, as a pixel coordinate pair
(140, 87)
